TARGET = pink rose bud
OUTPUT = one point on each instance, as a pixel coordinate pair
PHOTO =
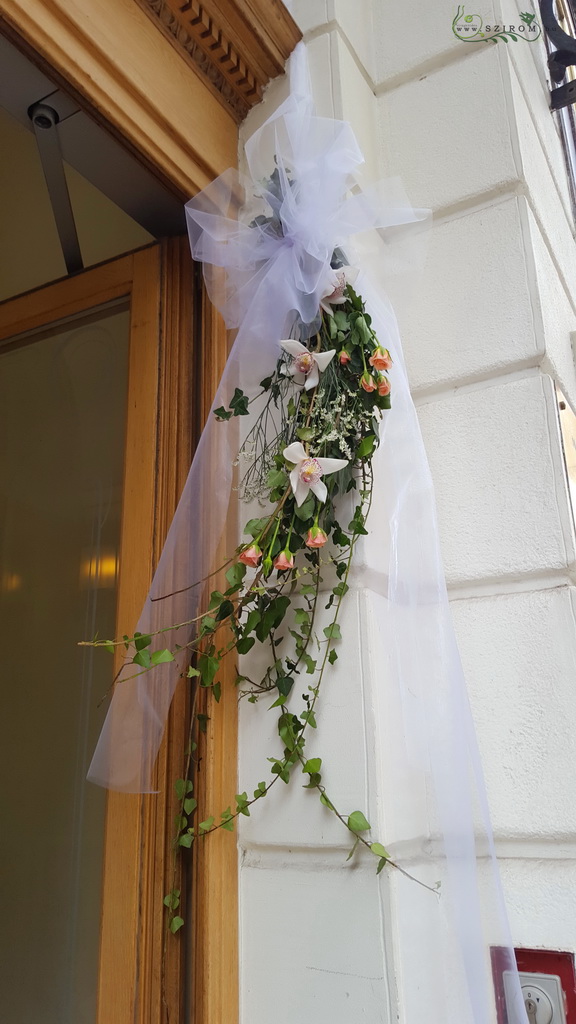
(368, 382)
(285, 560)
(344, 357)
(380, 359)
(316, 537)
(251, 556)
(384, 387)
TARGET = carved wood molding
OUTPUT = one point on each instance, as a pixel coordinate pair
(237, 45)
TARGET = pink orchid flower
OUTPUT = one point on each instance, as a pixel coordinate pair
(308, 472)
(306, 366)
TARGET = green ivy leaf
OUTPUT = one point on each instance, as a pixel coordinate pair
(207, 824)
(109, 647)
(357, 822)
(160, 657)
(381, 864)
(183, 787)
(366, 446)
(332, 632)
(312, 766)
(305, 433)
(239, 403)
(327, 803)
(175, 924)
(172, 900)
(190, 805)
(306, 509)
(224, 611)
(284, 684)
(208, 668)
(340, 589)
(310, 718)
(254, 527)
(192, 672)
(309, 662)
(217, 692)
(353, 850)
(333, 656)
(222, 414)
(235, 574)
(142, 658)
(142, 640)
(276, 478)
(245, 644)
(380, 851)
(252, 621)
(186, 840)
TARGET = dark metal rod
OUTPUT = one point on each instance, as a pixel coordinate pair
(45, 120)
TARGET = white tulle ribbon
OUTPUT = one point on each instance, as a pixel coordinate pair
(269, 281)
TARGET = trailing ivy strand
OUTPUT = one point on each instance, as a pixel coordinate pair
(305, 459)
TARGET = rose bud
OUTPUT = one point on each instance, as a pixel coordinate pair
(384, 387)
(381, 359)
(344, 357)
(285, 560)
(316, 537)
(251, 556)
(368, 382)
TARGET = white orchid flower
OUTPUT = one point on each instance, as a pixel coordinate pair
(308, 472)
(306, 366)
(336, 286)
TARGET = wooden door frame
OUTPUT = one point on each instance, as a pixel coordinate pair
(171, 80)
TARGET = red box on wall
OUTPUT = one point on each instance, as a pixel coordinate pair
(536, 961)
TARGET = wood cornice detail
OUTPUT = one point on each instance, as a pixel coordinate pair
(237, 45)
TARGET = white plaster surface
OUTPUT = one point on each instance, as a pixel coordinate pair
(412, 34)
(311, 944)
(472, 315)
(500, 486)
(519, 657)
(469, 132)
(447, 133)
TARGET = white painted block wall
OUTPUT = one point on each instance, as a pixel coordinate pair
(486, 337)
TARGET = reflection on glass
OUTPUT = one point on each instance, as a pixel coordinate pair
(568, 428)
(62, 413)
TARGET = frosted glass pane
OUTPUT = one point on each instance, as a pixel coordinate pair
(62, 417)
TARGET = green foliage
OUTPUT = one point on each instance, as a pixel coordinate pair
(357, 822)
(338, 419)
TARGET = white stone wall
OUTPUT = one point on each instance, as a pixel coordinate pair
(486, 336)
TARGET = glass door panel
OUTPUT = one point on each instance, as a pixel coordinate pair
(63, 398)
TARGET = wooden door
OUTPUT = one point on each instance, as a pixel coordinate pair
(144, 974)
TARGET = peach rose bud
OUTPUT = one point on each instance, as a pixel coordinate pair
(316, 537)
(368, 382)
(285, 560)
(344, 358)
(251, 556)
(384, 387)
(380, 359)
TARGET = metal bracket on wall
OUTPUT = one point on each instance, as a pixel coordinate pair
(44, 118)
(561, 58)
